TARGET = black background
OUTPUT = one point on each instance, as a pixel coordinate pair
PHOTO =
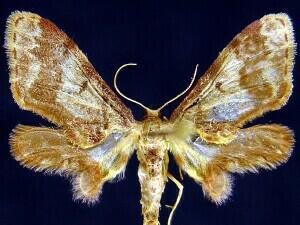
(166, 39)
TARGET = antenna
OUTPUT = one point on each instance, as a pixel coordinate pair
(124, 96)
(151, 111)
(182, 93)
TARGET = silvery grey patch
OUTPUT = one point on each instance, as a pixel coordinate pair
(207, 151)
(109, 143)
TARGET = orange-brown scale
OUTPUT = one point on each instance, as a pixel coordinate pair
(250, 47)
(45, 87)
(45, 149)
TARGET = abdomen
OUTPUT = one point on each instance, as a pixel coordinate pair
(152, 173)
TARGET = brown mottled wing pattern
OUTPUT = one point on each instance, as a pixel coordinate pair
(261, 146)
(251, 76)
(50, 76)
(46, 149)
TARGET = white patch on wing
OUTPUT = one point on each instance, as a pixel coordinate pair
(33, 71)
(80, 103)
(206, 151)
(109, 143)
(24, 45)
(26, 34)
(233, 65)
(271, 74)
(31, 28)
(275, 33)
(35, 32)
(25, 41)
(232, 107)
(70, 79)
(268, 71)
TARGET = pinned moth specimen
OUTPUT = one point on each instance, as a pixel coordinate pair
(96, 133)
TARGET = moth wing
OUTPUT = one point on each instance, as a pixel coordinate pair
(251, 76)
(49, 150)
(261, 146)
(50, 76)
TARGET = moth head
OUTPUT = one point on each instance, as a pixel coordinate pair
(151, 113)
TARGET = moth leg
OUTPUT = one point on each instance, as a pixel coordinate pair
(180, 187)
(180, 174)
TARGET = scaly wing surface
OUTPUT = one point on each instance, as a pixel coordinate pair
(261, 146)
(251, 76)
(49, 150)
(50, 76)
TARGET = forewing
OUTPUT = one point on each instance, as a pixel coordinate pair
(262, 146)
(50, 76)
(45, 149)
(251, 76)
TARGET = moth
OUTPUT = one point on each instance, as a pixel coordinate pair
(96, 133)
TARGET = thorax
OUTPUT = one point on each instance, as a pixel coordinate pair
(152, 145)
